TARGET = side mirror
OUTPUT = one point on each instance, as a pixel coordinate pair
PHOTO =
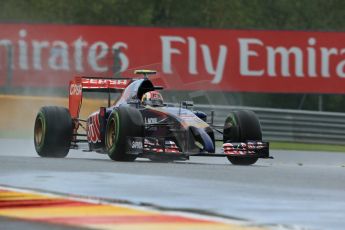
(188, 103)
(135, 102)
(185, 104)
(201, 115)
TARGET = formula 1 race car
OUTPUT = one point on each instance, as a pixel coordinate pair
(140, 124)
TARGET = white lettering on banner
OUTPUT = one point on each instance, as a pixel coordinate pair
(285, 61)
(123, 58)
(23, 51)
(37, 47)
(215, 70)
(245, 54)
(192, 65)
(312, 58)
(249, 56)
(79, 44)
(341, 65)
(326, 54)
(59, 54)
(218, 71)
(6, 43)
(258, 56)
(94, 57)
(167, 51)
(58, 59)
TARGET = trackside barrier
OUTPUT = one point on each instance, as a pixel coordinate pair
(277, 124)
(290, 125)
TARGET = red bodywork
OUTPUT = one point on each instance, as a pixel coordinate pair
(80, 84)
(76, 88)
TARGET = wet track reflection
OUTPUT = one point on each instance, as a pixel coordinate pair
(296, 188)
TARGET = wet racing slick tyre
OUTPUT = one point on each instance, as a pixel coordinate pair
(123, 122)
(53, 132)
(241, 126)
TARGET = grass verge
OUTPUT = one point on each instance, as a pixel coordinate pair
(307, 147)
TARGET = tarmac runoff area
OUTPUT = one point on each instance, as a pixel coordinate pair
(296, 190)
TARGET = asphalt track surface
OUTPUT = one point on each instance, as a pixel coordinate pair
(297, 190)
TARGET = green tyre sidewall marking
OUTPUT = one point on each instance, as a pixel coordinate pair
(232, 120)
(230, 130)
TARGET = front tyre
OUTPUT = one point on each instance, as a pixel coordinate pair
(241, 126)
(53, 132)
(123, 122)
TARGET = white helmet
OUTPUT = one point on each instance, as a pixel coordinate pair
(152, 98)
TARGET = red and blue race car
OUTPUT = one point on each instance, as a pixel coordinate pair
(140, 124)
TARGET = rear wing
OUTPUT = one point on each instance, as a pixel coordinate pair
(93, 84)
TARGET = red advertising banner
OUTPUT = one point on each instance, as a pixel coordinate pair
(186, 59)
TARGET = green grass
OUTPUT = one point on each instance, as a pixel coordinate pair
(307, 147)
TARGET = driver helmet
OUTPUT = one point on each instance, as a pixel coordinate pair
(152, 98)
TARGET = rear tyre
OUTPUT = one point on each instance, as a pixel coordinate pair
(241, 126)
(123, 122)
(53, 132)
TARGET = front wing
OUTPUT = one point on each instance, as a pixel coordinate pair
(148, 146)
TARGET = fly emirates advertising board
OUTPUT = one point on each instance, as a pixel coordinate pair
(43, 55)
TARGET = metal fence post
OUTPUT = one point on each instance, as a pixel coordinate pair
(116, 63)
(320, 104)
(9, 77)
